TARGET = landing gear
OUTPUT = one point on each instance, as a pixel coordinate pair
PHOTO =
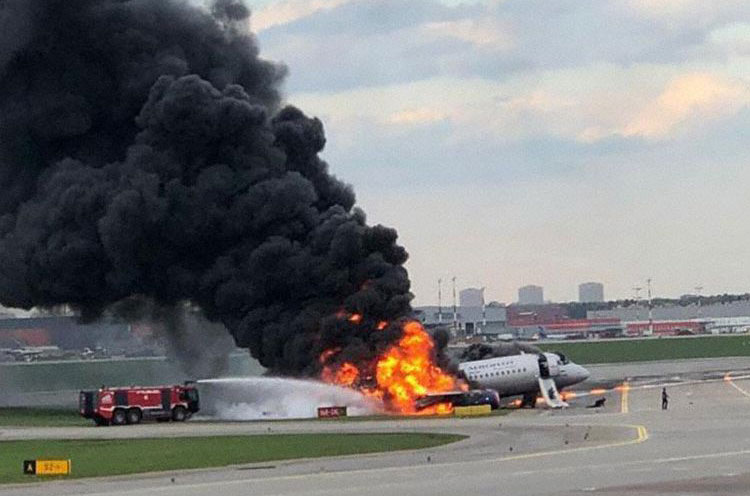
(529, 401)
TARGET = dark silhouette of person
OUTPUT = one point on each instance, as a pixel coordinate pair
(664, 399)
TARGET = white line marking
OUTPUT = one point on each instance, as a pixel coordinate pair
(730, 380)
(640, 430)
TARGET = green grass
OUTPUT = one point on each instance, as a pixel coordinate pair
(637, 350)
(90, 374)
(41, 417)
(91, 458)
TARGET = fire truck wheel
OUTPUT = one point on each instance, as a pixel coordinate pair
(134, 416)
(119, 417)
(179, 414)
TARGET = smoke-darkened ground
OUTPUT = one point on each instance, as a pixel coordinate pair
(147, 160)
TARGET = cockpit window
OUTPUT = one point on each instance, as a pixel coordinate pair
(563, 358)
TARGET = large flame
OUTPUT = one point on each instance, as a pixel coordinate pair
(405, 372)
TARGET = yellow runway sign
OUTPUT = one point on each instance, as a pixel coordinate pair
(46, 467)
(465, 411)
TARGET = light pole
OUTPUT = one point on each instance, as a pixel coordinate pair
(650, 310)
(484, 312)
(698, 290)
(440, 301)
(637, 290)
(455, 313)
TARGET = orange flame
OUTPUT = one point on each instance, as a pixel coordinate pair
(382, 325)
(328, 354)
(403, 373)
(355, 318)
(346, 374)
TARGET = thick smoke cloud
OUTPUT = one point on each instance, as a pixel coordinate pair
(145, 154)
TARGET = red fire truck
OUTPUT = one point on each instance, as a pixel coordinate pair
(130, 405)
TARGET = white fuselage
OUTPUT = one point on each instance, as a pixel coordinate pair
(519, 374)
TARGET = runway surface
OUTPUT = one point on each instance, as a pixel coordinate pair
(701, 445)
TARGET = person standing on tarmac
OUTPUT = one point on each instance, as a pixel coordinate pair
(664, 399)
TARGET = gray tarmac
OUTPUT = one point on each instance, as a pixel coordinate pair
(701, 445)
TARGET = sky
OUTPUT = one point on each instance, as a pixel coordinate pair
(547, 142)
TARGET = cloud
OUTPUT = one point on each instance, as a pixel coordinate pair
(279, 13)
(417, 116)
(688, 99)
(479, 32)
(692, 96)
(694, 11)
(616, 224)
(341, 44)
(549, 136)
(379, 42)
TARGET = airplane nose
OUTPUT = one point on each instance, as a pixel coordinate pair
(583, 373)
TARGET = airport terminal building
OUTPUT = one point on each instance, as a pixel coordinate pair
(470, 321)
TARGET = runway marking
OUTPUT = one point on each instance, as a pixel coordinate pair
(624, 397)
(730, 380)
(642, 435)
(643, 387)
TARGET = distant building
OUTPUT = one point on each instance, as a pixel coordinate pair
(471, 297)
(666, 328)
(526, 315)
(591, 292)
(66, 333)
(470, 321)
(675, 312)
(570, 328)
(531, 295)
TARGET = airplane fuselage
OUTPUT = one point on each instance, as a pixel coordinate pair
(519, 374)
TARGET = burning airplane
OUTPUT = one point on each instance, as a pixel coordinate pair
(148, 162)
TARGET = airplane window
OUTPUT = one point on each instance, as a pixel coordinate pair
(563, 358)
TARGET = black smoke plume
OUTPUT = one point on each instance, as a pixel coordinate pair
(145, 154)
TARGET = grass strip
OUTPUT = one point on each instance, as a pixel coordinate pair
(641, 350)
(93, 458)
(42, 417)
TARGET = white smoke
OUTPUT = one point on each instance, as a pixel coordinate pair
(254, 398)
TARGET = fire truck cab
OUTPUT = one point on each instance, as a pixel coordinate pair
(131, 405)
